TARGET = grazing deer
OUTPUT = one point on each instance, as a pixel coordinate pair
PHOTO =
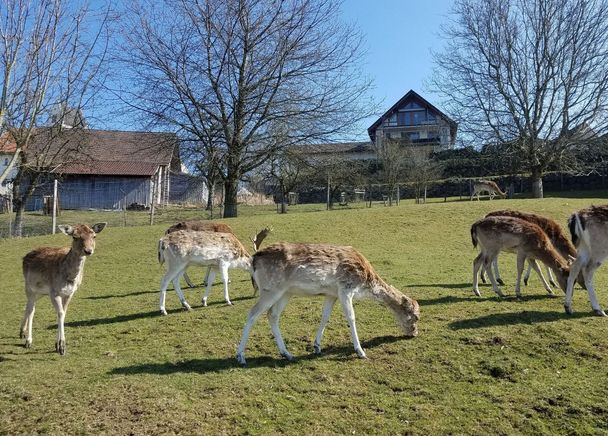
(283, 270)
(487, 186)
(199, 225)
(501, 233)
(555, 233)
(589, 230)
(217, 250)
(56, 272)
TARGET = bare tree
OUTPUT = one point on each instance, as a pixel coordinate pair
(528, 74)
(420, 170)
(50, 59)
(241, 66)
(392, 156)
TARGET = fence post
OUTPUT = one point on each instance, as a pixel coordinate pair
(54, 212)
(154, 183)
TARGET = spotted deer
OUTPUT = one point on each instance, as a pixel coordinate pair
(589, 231)
(220, 251)
(199, 225)
(487, 186)
(555, 233)
(283, 270)
(502, 233)
(56, 272)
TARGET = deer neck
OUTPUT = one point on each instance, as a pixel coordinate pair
(73, 264)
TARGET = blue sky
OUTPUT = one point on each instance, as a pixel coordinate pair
(400, 35)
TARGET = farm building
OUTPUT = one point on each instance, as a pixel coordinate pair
(412, 121)
(104, 169)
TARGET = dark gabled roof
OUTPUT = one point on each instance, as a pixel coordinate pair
(105, 152)
(338, 147)
(411, 94)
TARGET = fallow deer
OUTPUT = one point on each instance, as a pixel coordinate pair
(555, 233)
(199, 225)
(283, 270)
(589, 230)
(487, 186)
(56, 272)
(220, 251)
(501, 233)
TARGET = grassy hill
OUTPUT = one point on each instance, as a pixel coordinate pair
(479, 365)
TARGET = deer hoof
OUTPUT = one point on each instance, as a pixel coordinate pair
(525, 282)
(229, 303)
(163, 312)
(187, 307)
(317, 348)
(568, 309)
(476, 292)
(361, 354)
(599, 312)
(240, 358)
(28, 344)
(287, 357)
(552, 283)
(60, 347)
(500, 282)
(483, 279)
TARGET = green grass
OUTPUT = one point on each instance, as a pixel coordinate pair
(479, 365)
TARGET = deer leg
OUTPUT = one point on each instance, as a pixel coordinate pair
(274, 313)
(482, 275)
(209, 284)
(58, 305)
(521, 261)
(476, 265)
(552, 281)
(495, 265)
(534, 264)
(267, 299)
(575, 269)
(224, 272)
(346, 299)
(189, 282)
(26, 323)
(488, 264)
(527, 274)
(588, 272)
(328, 306)
(206, 279)
(164, 283)
(178, 291)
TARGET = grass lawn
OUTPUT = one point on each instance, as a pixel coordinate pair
(478, 366)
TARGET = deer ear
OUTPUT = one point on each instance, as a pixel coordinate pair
(66, 229)
(99, 227)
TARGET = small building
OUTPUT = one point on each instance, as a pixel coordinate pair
(106, 169)
(7, 151)
(416, 122)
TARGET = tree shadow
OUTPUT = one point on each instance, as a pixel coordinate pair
(219, 303)
(114, 319)
(442, 285)
(130, 294)
(202, 366)
(514, 318)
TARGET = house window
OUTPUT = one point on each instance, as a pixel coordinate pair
(387, 135)
(414, 135)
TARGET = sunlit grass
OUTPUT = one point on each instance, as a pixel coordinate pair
(479, 365)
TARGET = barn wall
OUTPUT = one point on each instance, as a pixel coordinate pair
(96, 192)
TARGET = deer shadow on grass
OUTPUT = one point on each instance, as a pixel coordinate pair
(113, 319)
(202, 366)
(513, 318)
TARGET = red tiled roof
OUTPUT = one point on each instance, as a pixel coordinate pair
(107, 168)
(7, 145)
(103, 152)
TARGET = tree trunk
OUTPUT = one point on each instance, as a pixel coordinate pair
(231, 186)
(210, 195)
(18, 224)
(537, 184)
